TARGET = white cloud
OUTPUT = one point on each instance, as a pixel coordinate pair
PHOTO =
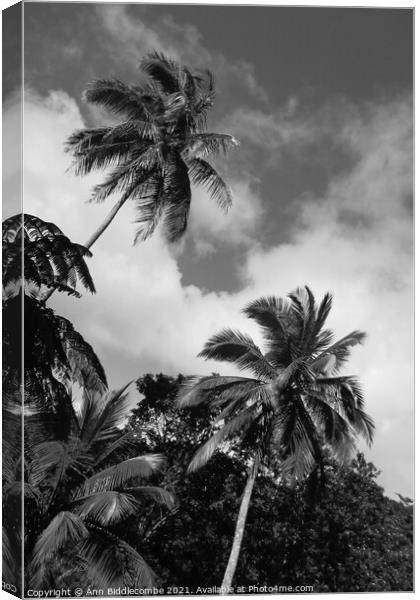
(210, 226)
(144, 319)
(142, 312)
(366, 260)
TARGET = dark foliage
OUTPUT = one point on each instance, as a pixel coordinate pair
(51, 260)
(347, 536)
(79, 495)
(55, 355)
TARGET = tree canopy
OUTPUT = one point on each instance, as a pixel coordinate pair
(345, 536)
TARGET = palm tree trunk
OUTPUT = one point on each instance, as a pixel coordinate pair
(106, 223)
(239, 531)
(108, 219)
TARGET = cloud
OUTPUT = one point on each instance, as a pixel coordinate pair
(130, 37)
(354, 241)
(139, 288)
(12, 155)
(211, 227)
(357, 242)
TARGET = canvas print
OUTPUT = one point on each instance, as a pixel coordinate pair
(207, 299)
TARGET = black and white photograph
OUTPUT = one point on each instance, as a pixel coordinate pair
(208, 299)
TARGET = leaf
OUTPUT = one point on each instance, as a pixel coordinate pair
(116, 96)
(177, 198)
(278, 326)
(50, 258)
(85, 367)
(196, 390)
(236, 425)
(123, 444)
(238, 348)
(140, 467)
(100, 415)
(65, 528)
(158, 494)
(202, 173)
(341, 348)
(107, 508)
(201, 145)
(163, 71)
(113, 562)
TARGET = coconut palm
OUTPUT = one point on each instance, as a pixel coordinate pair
(79, 492)
(158, 148)
(295, 402)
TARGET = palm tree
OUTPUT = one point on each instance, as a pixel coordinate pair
(78, 492)
(159, 147)
(295, 402)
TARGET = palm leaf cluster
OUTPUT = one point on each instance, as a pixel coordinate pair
(50, 259)
(79, 493)
(296, 400)
(159, 146)
(55, 355)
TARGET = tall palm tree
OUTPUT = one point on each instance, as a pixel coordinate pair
(295, 402)
(79, 492)
(159, 147)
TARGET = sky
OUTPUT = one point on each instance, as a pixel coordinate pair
(321, 101)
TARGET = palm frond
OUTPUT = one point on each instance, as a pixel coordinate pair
(238, 348)
(202, 173)
(110, 507)
(352, 401)
(323, 311)
(278, 327)
(52, 463)
(65, 528)
(237, 424)
(336, 429)
(341, 348)
(155, 493)
(102, 147)
(121, 474)
(150, 204)
(295, 435)
(106, 508)
(201, 145)
(99, 415)
(121, 446)
(197, 390)
(85, 367)
(123, 178)
(162, 70)
(113, 562)
(46, 457)
(117, 97)
(177, 193)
